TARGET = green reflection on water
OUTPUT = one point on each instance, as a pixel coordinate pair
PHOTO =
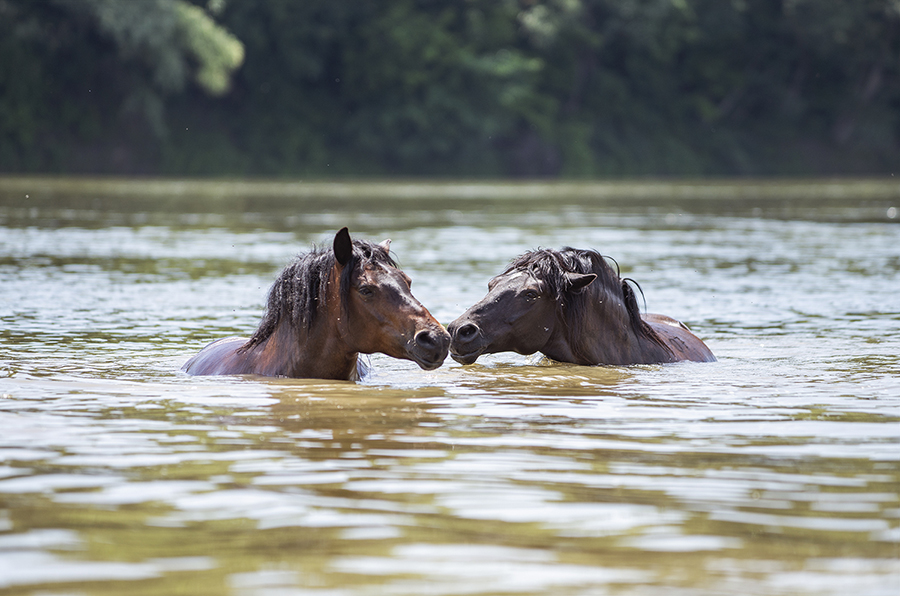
(286, 205)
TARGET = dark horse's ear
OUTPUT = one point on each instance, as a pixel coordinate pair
(575, 282)
(343, 247)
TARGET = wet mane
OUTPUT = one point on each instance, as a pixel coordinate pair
(550, 266)
(301, 289)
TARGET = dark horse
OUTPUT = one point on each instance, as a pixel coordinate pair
(571, 306)
(326, 308)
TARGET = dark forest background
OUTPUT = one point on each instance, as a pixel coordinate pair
(462, 88)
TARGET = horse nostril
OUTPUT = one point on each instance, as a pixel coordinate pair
(467, 332)
(426, 339)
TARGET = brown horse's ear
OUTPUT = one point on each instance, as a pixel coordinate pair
(576, 282)
(343, 247)
(386, 245)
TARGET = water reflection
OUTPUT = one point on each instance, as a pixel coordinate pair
(772, 471)
(411, 490)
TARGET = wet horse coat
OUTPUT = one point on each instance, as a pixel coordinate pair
(571, 306)
(325, 309)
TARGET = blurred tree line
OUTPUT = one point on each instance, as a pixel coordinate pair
(572, 88)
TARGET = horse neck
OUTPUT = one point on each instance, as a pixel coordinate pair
(607, 335)
(319, 352)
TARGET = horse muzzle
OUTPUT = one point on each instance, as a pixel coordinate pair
(466, 342)
(430, 347)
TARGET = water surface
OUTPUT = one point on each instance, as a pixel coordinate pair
(773, 471)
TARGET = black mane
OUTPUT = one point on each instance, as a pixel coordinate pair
(301, 288)
(550, 266)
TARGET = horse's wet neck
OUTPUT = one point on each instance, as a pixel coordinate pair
(318, 353)
(607, 336)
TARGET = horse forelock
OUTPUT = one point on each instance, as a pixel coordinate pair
(300, 291)
(365, 254)
(550, 267)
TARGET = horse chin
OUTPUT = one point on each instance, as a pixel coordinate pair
(466, 359)
(428, 365)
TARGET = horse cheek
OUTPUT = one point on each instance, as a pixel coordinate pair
(541, 326)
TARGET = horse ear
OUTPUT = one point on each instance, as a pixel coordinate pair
(576, 282)
(343, 247)
(386, 245)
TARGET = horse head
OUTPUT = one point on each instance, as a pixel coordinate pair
(378, 310)
(520, 313)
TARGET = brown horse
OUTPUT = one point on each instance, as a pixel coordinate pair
(325, 309)
(571, 306)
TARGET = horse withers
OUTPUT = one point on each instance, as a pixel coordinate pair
(571, 306)
(325, 309)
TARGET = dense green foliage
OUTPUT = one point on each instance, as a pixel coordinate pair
(575, 88)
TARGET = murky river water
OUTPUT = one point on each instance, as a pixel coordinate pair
(773, 471)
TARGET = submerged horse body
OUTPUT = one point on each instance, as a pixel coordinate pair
(571, 306)
(325, 309)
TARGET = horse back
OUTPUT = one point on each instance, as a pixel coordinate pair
(683, 343)
(222, 357)
(218, 358)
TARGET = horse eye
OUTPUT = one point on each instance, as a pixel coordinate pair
(366, 291)
(531, 294)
